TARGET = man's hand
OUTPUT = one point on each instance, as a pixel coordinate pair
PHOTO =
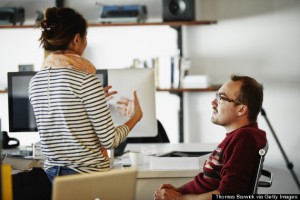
(167, 192)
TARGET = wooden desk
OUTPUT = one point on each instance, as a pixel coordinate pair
(149, 180)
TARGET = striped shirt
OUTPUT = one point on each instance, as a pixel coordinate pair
(73, 119)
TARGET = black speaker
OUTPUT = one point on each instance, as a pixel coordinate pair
(59, 3)
(178, 10)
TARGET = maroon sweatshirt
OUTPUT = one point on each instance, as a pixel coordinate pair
(231, 167)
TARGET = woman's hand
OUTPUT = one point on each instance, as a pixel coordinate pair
(128, 108)
(138, 113)
(108, 94)
(125, 107)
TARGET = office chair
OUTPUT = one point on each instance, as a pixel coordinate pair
(161, 136)
(262, 172)
(33, 185)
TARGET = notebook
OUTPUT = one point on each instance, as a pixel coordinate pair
(109, 185)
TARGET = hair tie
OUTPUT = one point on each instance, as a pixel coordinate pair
(45, 27)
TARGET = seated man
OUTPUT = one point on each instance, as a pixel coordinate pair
(231, 167)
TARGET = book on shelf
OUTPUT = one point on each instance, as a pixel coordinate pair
(170, 71)
(184, 65)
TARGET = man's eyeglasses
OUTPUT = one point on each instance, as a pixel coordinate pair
(219, 97)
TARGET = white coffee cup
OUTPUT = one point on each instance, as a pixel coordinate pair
(136, 158)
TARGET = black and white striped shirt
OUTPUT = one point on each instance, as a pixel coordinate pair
(73, 119)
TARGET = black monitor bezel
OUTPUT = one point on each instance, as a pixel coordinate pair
(11, 114)
(103, 72)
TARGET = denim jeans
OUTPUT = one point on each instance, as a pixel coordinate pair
(59, 171)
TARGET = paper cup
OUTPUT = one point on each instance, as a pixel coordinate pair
(136, 158)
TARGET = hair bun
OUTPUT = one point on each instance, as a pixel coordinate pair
(45, 26)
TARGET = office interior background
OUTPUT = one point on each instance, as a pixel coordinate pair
(251, 37)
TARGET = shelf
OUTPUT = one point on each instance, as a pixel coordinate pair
(175, 90)
(173, 23)
(181, 90)
(16, 26)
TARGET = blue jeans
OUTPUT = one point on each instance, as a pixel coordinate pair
(59, 171)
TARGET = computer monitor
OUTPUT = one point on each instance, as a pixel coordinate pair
(125, 81)
(20, 112)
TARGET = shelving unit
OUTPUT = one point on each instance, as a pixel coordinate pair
(172, 24)
(177, 25)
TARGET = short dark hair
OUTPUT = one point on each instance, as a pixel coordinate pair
(59, 27)
(251, 94)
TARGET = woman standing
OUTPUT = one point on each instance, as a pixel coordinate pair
(69, 102)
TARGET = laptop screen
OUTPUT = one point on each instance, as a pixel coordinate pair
(97, 185)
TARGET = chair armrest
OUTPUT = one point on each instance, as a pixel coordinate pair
(268, 182)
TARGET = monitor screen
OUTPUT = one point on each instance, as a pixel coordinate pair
(20, 112)
(125, 81)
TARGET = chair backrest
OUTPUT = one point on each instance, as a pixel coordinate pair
(161, 136)
(262, 172)
(262, 152)
(33, 184)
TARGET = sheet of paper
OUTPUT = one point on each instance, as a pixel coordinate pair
(174, 163)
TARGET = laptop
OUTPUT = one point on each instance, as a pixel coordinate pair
(109, 185)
